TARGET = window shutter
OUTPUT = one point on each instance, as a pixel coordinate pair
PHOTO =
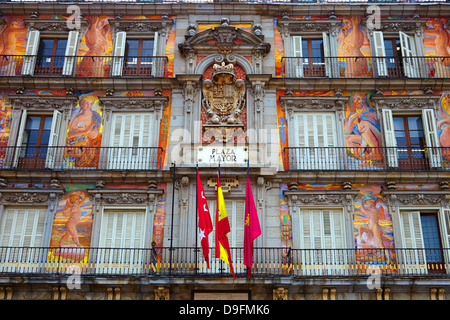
(327, 55)
(52, 151)
(295, 65)
(410, 62)
(131, 139)
(389, 134)
(380, 53)
(22, 227)
(414, 259)
(119, 52)
(71, 52)
(431, 138)
(158, 61)
(18, 150)
(29, 60)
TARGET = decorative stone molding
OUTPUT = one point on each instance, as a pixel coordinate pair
(27, 197)
(406, 102)
(297, 198)
(128, 197)
(162, 293)
(404, 198)
(42, 102)
(280, 293)
(395, 25)
(139, 103)
(288, 27)
(53, 26)
(292, 103)
(140, 26)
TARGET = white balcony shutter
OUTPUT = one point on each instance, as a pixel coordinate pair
(414, 260)
(431, 138)
(158, 60)
(380, 53)
(327, 55)
(295, 65)
(131, 137)
(389, 135)
(71, 52)
(22, 227)
(410, 62)
(29, 60)
(444, 222)
(18, 151)
(119, 52)
(52, 151)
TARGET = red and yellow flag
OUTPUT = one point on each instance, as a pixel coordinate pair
(222, 229)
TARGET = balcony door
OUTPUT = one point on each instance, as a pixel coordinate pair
(422, 246)
(322, 238)
(315, 141)
(37, 140)
(138, 57)
(310, 57)
(411, 140)
(131, 138)
(235, 212)
(21, 230)
(121, 241)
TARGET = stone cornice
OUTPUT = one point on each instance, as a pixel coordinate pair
(51, 25)
(288, 26)
(150, 103)
(415, 25)
(406, 102)
(140, 26)
(317, 103)
(413, 198)
(41, 102)
(320, 197)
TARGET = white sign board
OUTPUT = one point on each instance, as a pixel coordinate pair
(227, 156)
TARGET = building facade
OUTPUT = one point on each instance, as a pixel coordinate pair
(338, 111)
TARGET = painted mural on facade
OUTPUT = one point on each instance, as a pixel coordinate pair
(436, 42)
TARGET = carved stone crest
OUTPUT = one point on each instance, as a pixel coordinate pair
(223, 98)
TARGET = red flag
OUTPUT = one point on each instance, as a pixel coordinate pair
(222, 229)
(252, 229)
(204, 219)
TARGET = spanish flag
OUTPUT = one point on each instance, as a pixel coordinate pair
(222, 228)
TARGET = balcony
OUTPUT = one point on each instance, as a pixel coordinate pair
(189, 262)
(366, 67)
(83, 66)
(366, 159)
(81, 158)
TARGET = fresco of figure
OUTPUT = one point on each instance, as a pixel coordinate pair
(83, 137)
(444, 127)
(362, 129)
(12, 39)
(352, 42)
(94, 61)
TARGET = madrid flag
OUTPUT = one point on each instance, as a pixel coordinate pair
(204, 219)
(252, 229)
(222, 228)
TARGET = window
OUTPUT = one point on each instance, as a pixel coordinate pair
(135, 56)
(50, 56)
(37, 140)
(322, 234)
(131, 141)
(138, 53)
(315, 140)
(122, 234)
(407, 137)
(21, 228)
(311, 57)
(421, 230)
(400, 52)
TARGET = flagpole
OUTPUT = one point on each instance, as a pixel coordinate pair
(171, 223)
(196, 226)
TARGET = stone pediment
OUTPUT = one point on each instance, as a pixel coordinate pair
(224, 37)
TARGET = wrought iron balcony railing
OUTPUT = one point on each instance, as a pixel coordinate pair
(366, 67)
(366, 159)
(80, 158)
(182, 261)
(83, 66)
(240, 1)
